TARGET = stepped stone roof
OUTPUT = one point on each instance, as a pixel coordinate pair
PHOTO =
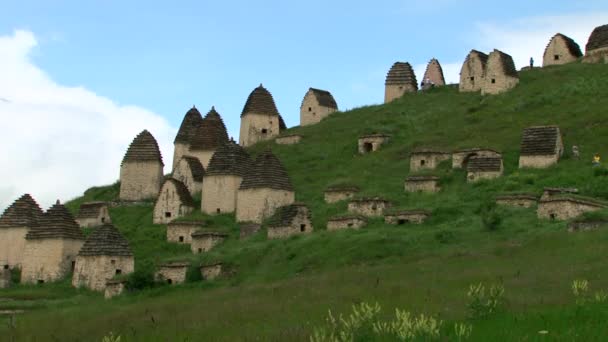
(210, 134)
(24, 212)
(260, 101)
(203, 233)
(267, 172)
(598, 38)
(230, 159)
(182, 191)
(508, 66)
(143, 148)
(572, 46)
(324, 98)
(539, 140)
(482, 56)
(421, 178)
(90, 209)
(484, 164)
(188, 127)
(106, 240)
(342, 188)
(401, 73)
(197, 169)
(56, 223)
(285, 214)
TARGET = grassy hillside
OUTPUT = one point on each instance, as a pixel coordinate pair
(280, 290)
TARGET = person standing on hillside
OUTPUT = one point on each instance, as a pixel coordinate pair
(575, 152)
(596, 160)
(531, 62)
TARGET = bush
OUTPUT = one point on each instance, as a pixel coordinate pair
(600, 171)
(490, 218)
(142, 278)
(193, 274)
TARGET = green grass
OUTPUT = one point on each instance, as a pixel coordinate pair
(281, 289)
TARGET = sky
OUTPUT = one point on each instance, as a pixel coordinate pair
(79, 80)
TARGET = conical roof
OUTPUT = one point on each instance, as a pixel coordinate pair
(260, 101)
(571, 45)
(230, 159)
(598, 38)
(56, 223)
(182, 191)
(24, 212)
(434, 72)
(210, 134)
(191, 121)
(106, 240)
(267, 172)
(143, 148)
(90, 209)
(508, 66)
(401, 73)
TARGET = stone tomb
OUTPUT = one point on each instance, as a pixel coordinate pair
(399, 80)
(346, 222)
(372, 206)
(541, 147)
(174, 201)
(248, 229)
(290, 220)
(211, 271)
(208, 137)
(479, 168)
(433, 76)
(204, 241)
(401, 217)
(316, 105)
(460, 158)
(172, 272)
(181, 231)
(339, 193)
(141, 170)
(564, 207)
(93, 214)
(422, 184)
(500, 73)
(16, 221)
(114, 288)
(472, 71)
(187, 130)
(597, 46)
(190, 171)
(372, 142)
(290, 139)
(549, 192)
(425, 159)
(517, 200)
(260, 119)
(561, 50)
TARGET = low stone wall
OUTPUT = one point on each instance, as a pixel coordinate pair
(517, 201)
(480, 175)
(563, 209)
(173, 273)
(204, 242)
(368, 207)
(415, 217)
(337, 195)
(346, 222)
(288, 139)
(248, 229)
(422, 184)
(114, 288)
(538, 162)
(210, 272)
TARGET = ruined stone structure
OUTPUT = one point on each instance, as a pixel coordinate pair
(208, 137)
(229, 164)
(172, 272)
(204, 241)
(290, 220)
(346, 222)
(541, 147)
(141, 171)
(173, 201)
(114, 288)
(372, 142)
(422, 184)
(433, 76)
(422, 159)
(460, 158)
(211, 271)
(260, 119)
(335, 194)
(290, 139)
(181, 231)
(104, 255)
(5, 278)
(400, 217)
(399, 80)
(248, 229)
(480, 168)
(181, 144)
(93, 214)
(16, 221)
(585, 225)
(551, 192)
(190, 171)
(472, 71)
(373, 206)
(596, 50)
(263, 190)
(500, 74)
(561, 50)
(517, 200)
(565, 207)
(51, 247)
(316, 105)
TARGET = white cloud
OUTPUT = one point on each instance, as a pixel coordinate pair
(56, 141)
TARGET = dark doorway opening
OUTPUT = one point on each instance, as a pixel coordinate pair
(118, 271)
(368, 147)
(181, 239)
(402, 221)
(167, 214)
(302, 227)
(169, 281)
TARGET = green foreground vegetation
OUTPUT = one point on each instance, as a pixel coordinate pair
(282, 290)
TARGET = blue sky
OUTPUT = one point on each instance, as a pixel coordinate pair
(162, 58)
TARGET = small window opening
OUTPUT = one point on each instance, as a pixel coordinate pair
(217, 210)
(73, 265)
(471, 176)
(6, 267)
(401, 221)
(350, 225)
(167, 214)
(118, 271)
(368, 147)
(422, 162)
(40, 281)
(556, 57)
(169, 281)
(310, 109)
(103, 220)
(552, 216)
(302, 227)
(200, 250)
(400, 87)
(181, 239)
(493, 80)
(374, 207)
(472, 78)
(264, 131)
(112, 261)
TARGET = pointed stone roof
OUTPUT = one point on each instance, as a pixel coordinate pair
(482, 56)
(260, 101)
(267, 172)
(284, 215)
(24, 212)
(282, 125)
(181, 189)
(434, 72)
(598, 38)
(56, 223)
(210, 134)
(197, 169)
(572, 46)
(539, 140)
(143, 148)
(484, 164)
(106, 240)
(324, 98)
(90, 209)
(401, 73)
(191, 120)
(506, 61)
(230, 159)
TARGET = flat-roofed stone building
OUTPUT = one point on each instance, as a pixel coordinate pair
(564, 207)
(190, 171)
(433, 76)
(16, 221)
(500, 73)
(248, 229)
(211, 271)
(472, 71)
(104, 255)
(172, 273)
(561, 50)
(541, 147)
(346, 222)
(229, 164)
(141, 171)
(399, 80)
(369, 206)
(187, 129)
(372, 142)
(289, 139)
(173, 201)
(422, 184)
(260, 119)
(316, 105)
(460, 158)
(264, 189)
(93, 214)
(51, 247)
(290, 220)
(181, 231)
(427, 159)
(400, 217)
(339, 193)
(204, 241)
(480, 168)
(517, 200)
(208, 137)
(596, 50)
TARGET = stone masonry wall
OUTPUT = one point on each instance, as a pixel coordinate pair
(202, 244)
(169, 202)
(252, 126)
(428, 161)
(48, 259)
(211, 272)
(557, 47)
(175, 231)
(421, 186)
(351, 223)
(5, 278)
(395, 91)
(471, 75)
(477, 176)
(459, 157)
(103, 217)
(12, 246)
(176, 275)
(203, 156)
(220, 192)
(375, 142)
(516, 202)
(94, 271)
(596, 56)
(182, 173)
(337, 196)
(299, 225)
(311, 112)
(140, 180)
(416, 218)
(562, 210)
(179, 150)
(255, 205)
(368, 208)
(537, 162)
(113, 289)
(288, 140)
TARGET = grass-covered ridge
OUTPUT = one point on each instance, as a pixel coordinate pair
(282, 288)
